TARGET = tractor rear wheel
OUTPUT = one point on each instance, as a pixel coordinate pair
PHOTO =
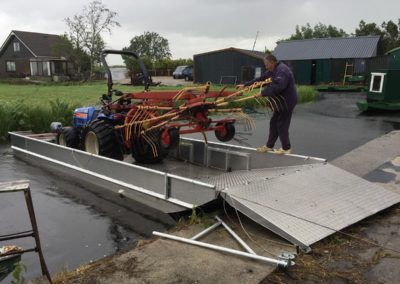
(99, 138)
(226, 133)
(148, 151)
(69, 137)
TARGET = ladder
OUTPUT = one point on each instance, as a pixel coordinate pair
(347, 73)
(23, 186)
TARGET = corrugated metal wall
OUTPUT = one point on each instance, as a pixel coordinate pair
(392, 85)
(324, 71)
(376, 63)
(302, 72)
(221, 64)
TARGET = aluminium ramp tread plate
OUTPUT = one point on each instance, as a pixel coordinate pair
(309, 204)
(230, 179)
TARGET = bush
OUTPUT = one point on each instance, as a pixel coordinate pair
(306, 94)
(19, 116)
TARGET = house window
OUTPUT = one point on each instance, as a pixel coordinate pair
(10, 66)
(376, 85)
(16, 47)
(40, 68)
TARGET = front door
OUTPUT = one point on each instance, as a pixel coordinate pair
(313, 78)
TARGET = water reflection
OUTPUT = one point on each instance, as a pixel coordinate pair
(76, 225)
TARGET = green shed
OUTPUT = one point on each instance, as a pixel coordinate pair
(323, 60)
(383, 92)
(394, 58)
(228, 66)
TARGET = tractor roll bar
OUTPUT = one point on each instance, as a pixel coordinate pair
(123, 52)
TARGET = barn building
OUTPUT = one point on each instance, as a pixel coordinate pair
(319, 61)
(228, 66)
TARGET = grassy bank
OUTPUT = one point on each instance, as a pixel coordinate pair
(34, 107)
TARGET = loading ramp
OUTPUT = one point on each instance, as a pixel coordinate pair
(307, 203)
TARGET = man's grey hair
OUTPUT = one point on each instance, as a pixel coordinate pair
(271, 58)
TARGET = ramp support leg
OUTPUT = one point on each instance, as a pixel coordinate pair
(250, 253)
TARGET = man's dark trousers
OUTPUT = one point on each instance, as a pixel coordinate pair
(279, 127)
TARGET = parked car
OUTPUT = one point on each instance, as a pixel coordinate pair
(188, 73)
(177, 74)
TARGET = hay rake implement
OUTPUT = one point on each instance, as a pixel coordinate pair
(149, 123)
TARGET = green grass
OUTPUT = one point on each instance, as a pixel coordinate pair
(34, 107)
(82, 94)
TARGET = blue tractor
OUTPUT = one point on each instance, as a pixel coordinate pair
(95, 129)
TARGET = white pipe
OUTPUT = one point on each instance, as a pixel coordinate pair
(209, 229)
(241, 242)
(223, 249)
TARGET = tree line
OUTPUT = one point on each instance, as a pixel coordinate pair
(388, 31)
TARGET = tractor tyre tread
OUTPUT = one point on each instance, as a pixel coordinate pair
(107, 139)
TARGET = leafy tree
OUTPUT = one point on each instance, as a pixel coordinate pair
(77, 31)
(150, 46)
(86, 29)
(389, 32)
(390, 35)
(65, 47)
(307, 31)
(318, 31)
(365, 29)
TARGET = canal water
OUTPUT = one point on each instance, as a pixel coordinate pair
(77, 226)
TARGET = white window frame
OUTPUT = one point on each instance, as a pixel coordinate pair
(373, 75)
(33, 63)
(17, 47)
(40, 68)
(47, 63)
(12, 65)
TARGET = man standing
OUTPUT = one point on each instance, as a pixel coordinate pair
(282, 96)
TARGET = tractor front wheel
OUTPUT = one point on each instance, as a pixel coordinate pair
(99, 138)
(225, 131)
(69, 137)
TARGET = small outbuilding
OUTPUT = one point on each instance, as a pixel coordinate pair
(228, 66)
(324, 60)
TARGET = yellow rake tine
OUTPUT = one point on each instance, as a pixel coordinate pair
(270, 104)
(148, 140)
(278, 99)
(276, 105)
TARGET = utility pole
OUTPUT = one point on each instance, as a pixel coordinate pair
(255, 41)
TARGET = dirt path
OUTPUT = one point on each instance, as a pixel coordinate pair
(166, 261)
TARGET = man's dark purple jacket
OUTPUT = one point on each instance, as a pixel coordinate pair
(282, 85)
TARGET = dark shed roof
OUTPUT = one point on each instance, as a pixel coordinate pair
(37, 43)
(326, 48)
(253, 53)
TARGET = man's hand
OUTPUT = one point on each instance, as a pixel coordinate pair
(240, 86)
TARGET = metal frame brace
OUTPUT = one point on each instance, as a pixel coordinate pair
(249, 252)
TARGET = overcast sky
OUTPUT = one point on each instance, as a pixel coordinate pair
(196, 26)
